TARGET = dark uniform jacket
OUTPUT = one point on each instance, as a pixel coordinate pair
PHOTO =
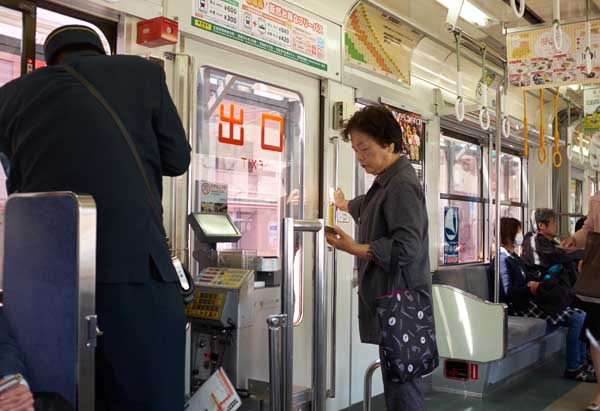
(58, 137)
(12, 360)
(513, 282)
(392, 218)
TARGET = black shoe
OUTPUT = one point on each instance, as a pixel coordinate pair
(581, 375)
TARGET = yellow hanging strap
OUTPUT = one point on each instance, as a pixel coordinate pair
(556, 156)
(525, 127)
(542, 152)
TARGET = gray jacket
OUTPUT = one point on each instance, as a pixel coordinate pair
(392, 218)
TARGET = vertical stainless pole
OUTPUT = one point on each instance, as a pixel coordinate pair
(275, 323)
(287, 308)
(333, 359)
(499, 96)
(368, 384)
(319, 331)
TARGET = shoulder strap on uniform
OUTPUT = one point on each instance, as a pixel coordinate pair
(153, 198)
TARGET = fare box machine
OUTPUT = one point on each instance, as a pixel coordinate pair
(223, 305)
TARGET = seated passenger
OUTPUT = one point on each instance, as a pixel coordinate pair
(19, 397)
(518, 289)
(541, 250)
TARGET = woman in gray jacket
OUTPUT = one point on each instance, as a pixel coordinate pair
(393, 232)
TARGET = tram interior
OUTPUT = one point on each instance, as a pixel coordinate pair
(472, 85)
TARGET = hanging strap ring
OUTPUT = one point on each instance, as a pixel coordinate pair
(519, 12)
(484, 118)
(556, 159)
(557, 34)
(542, 154)
(569, 144)
(459, 108)
(506, 126)
(589, 55)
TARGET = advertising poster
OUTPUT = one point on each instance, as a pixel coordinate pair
(451, 237)
(413, 133)
(213, 197)
(534, 62)
(267, 25)
(377, 42)
(591, 109)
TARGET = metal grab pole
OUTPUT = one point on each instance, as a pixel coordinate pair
(499, 94)
(334, 278)
(287, 307)
(275, 323)
(368, 384)
(319, 367)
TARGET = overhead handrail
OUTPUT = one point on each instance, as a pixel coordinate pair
(542, 153)
(519, 12)
(588, 55)
(525, 127)
(484, 113)
(460, 104)
(556, 156)
(557, 32)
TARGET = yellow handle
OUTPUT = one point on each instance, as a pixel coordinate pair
(556, 156)
(557, 159)
(542, 154)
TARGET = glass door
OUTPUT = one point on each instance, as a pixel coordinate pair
(256, 157)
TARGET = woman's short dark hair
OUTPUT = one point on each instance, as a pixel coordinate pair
(509, 227)
(379, 123)
(579, 224)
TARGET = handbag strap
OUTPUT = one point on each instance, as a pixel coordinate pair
(397, 273)
(153, 198)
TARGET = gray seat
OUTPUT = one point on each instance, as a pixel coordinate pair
(474, 280)
(522, 330)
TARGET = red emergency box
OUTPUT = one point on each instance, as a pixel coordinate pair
(159, 31)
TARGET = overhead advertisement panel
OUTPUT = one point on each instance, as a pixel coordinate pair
(535, 62)
(377, 42)
(268, 25)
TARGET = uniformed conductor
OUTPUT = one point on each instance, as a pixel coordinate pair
(58, 137)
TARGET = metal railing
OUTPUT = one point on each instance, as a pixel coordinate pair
(369, 384)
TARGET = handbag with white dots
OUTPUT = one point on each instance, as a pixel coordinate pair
(407, 331)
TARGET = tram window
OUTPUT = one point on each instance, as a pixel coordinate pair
(250, 143)
(49, 20)
(460, 167)
(11, 33)
(510, 181)
(575, 202)
(470, 230)
(460, 186)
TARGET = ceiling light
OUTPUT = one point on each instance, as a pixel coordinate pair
(469, 12)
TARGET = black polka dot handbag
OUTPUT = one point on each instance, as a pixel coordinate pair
(407, 333)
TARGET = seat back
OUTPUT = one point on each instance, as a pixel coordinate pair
(473, 279)
(49, 272)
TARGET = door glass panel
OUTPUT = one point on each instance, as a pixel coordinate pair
(460, 167)
(510, 178)
(470, 234)
(11, 33)
(49, 20)
(250, 144)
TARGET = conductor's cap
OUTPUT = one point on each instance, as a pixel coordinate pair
(70, 35)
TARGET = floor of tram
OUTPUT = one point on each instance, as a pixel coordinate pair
(543, 389)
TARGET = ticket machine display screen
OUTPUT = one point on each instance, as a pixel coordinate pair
(214, 227)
